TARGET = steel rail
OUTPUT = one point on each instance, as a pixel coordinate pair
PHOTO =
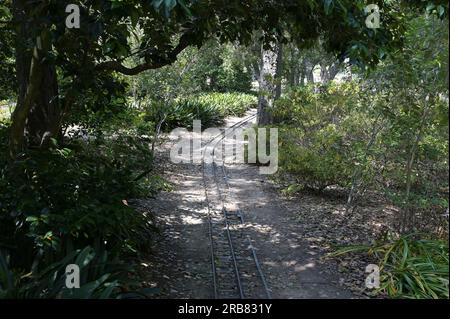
(214, 269)
(252, 248)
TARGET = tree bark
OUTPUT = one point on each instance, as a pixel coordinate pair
(309, 66)
(324, 73)
(293, 67)
(279, 71)
(334, 70)
(300, 79)
(24, 105)
(266, 85)
(37, 115)
(44, 120)
(329, 72)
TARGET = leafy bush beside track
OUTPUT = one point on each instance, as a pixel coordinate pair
(56, 203)
(410, 267)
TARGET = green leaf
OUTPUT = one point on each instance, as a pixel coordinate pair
(32, 219)
(5, 10)
(85, 257)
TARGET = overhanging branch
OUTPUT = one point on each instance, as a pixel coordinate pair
(119, 67)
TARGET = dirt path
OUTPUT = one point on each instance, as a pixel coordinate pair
(181, 264)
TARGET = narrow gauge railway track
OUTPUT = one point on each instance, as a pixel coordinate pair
(236, 270)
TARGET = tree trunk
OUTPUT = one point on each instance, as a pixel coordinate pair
(329, 72)
(44, 120)
(334, 70)
(324, 74)
(300, 79)
(23, 107)
(266, 85)
(294, 67)
(408, 215)
(310, 72)
(279, 71)
(37, 114)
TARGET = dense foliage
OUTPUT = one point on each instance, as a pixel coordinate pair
(383, 133)
(56, 202)
(320, 134)
(389, 135)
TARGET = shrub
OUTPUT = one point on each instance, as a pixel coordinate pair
(235, 104)
(311, 108)
(210, 108)
(186, 111)
(316, 161)
(58, 201)
(100, 277)
(410, 267)
(321, 135)
(348, 134)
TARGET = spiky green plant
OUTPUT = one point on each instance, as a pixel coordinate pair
(410, 267)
